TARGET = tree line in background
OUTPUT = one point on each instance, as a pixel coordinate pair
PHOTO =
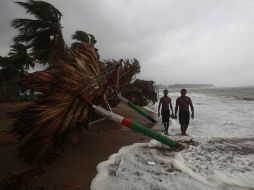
(38, 42)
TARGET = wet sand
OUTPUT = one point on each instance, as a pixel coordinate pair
(76, 167)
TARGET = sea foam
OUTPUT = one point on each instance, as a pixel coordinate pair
(221, 155)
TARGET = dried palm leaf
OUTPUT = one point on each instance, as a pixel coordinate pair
(69, 86)
(65, 103)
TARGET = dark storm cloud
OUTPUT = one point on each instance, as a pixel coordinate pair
(175, 41)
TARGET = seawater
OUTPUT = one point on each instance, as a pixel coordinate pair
(221, 155)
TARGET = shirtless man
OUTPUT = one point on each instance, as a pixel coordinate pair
(165, 101)
(183, 102)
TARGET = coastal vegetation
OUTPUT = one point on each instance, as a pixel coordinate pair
(73, 80)
(39, 42)
(141, 92)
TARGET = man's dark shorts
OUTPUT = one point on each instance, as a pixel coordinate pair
(184, 117)
(165, 114)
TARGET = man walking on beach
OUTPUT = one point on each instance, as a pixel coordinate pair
(183, 102)
(165, 101)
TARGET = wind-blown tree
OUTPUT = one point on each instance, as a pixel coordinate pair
(20, 58)
(43, 34)
(22, 62)
(83, 37)
(129, 69)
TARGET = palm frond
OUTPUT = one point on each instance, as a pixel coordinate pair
(69, 87)
(81, 36)
(41, 10)
(42, 34)
(42, 126)
(30, 25)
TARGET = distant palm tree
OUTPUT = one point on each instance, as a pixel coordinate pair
(20, 58)
(13, 69)
(83, 37)
(42, 34)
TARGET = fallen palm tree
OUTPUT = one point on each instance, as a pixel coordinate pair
(68, 89)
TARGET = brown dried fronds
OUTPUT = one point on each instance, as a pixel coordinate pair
(65, 104)
(69, 87)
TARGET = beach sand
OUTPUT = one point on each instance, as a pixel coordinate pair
(76, 167)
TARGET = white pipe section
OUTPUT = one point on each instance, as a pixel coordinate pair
(112, 116)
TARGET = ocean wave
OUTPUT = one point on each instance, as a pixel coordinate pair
(247, 98)
(210, 163)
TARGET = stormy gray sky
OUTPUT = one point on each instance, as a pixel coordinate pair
(176, 41)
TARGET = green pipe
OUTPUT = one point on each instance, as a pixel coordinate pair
(137, 127)
(153, 134)
(141, 111)
(137, 108)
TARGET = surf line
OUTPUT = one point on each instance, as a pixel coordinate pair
(137, 127)
(216, 180)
